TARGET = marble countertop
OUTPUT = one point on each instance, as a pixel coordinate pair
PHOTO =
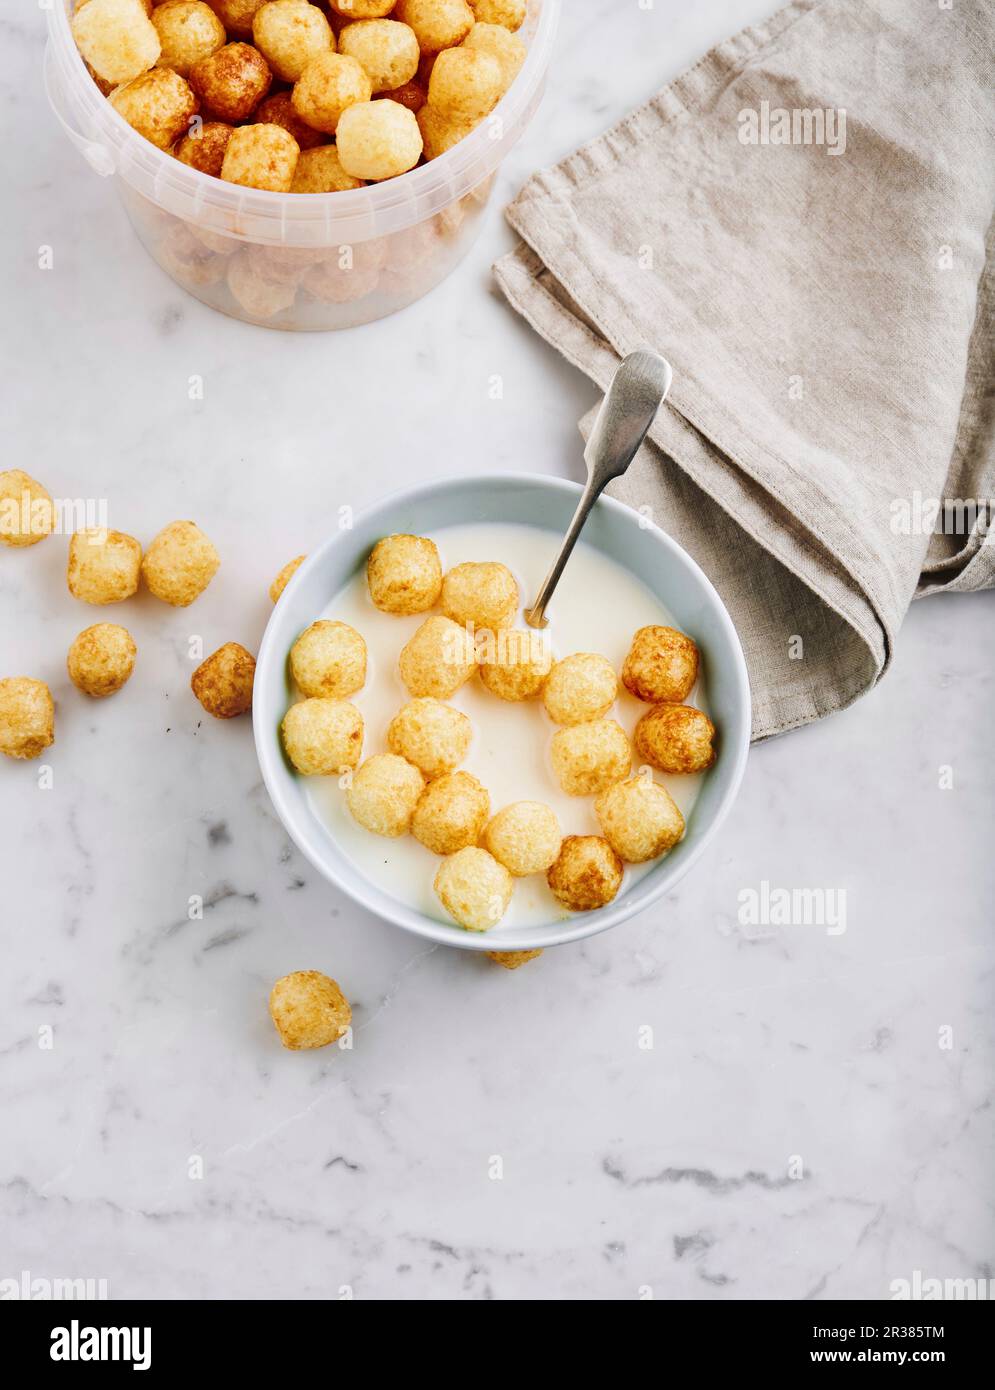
(812, 1118)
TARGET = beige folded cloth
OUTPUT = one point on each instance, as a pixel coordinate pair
(827, 309)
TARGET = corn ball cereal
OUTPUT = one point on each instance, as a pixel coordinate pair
(285, 576)
(237, 15)
(188, 31)
(387, 50)
(223, 683)
(329, 658)
(587, 873)
(232, 82)
(334, 286)
(580, 688)
(676, 738)
(204, 149)
(439, 131)
(259, 296)
(433, 736)
(384, 794)
(509, 13)
(438, 659)
(507, 49)
(101, 659)
(320, 171)
(362, 9)
(261, 156)
(116, 38)
(378, 140)
(308, 1008)
(662, 665)
(27, 714)
(104, 566)
(410, 94)
(158, 105)
(451, 813)
(328, 85)
(322, 736)
(525, 837)
(289, 33)
(179, 564)
(511, 960)
(474, 888)
(437, 24)
(466, 84)
(514, 662)
(27, 512)
(589, 757)
(278, 109)
(482, 593)
(639, 818)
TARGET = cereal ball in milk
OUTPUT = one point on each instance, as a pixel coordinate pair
(223, 683)
(589, 757)
(514, 662)
(205, 149)
(261, 156)
(188, 31)
(676, 738)
(158, 105)
(27, 512)
(278, 109)
(580, 687)
(237, 15)
(439, 131)
(437, 24)
(322, 736)
(320, 171)
(329, 658)
(285, 576)
(384, 794)
(404, 574)
(509, 13)
(179, 564)
(27, 715)
(482, 593)
(329, 84)
(451, 813)
(474, 888)
(386, 49)
(662, 664)
(260, 296)
(101, 659)
(511, 960)
(505, 48)
(104, 566)
(433, 736)
(438, 659)
(639, 818)
(361, 9)
(378, 140)
(289, 33)
(232, 82)
(466, 84)
(116, 38)
(587, 873)
(525, 837)
(309, 1010)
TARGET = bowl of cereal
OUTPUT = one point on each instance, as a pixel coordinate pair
(301, 167)
(477, 782)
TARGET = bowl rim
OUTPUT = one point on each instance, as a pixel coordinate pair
(276, 776)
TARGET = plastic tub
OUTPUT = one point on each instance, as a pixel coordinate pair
(247, 252)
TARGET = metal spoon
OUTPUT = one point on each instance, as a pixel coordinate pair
(637, 390)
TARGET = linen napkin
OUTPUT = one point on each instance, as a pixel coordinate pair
(802, 225)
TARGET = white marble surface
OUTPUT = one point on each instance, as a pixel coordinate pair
(623, 1168)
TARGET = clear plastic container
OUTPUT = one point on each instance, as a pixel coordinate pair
(279, 258)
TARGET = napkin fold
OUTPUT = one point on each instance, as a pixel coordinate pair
(802, 225)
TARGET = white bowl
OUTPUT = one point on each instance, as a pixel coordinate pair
(618, 532)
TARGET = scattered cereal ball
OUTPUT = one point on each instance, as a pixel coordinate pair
(437, 24)
(322, 736)
(232, 82)
(27, 714)
(278, 109)
(237, 15)
(308, 1009)
(387, 50)
(505, 48)
(116, 38)
(261, 156)
(483, 593)
(384, 794)
(378, 140)
(223, 683)
(103, 565)
(474, 888)
(662, 664)
(288, 33)
(101, 659)
(188, 31)
(525, 837)
(639, 818)
(285, 576)
(328, 85)
(27, 512)
(589, 757)
(329, 658)
(261, 298)
(514, 662)
(179, 564)
(438, 659)
(509, 13)
(362, 9)
(451, 813)
(158, 105)
(676, 738)
(404, 574)
(580, 688)
(205, 149)
(466, 84)
(511, 960)
(433, 736)
(410, 94)
(587, 873)
(439, 132)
